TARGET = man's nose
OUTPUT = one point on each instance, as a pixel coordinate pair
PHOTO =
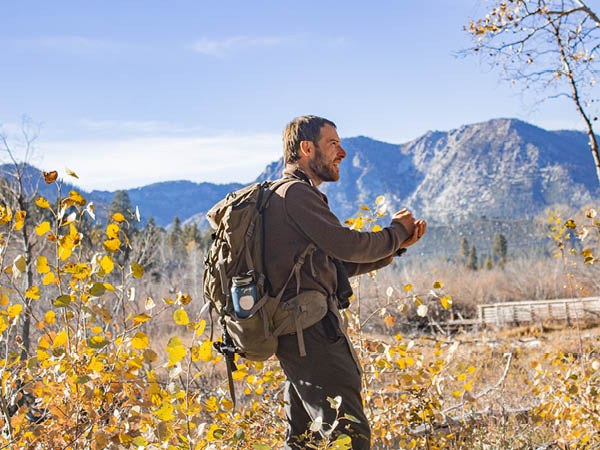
(341, 151)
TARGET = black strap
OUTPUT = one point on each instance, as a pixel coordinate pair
(227, 349)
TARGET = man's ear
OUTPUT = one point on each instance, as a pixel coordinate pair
(306, 148)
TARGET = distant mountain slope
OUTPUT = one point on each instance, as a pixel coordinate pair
(502, 168)
(163, 201)
(499, 168)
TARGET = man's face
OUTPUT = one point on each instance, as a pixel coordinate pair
(327, 155)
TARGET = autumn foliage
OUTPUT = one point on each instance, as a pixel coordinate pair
(97, 369)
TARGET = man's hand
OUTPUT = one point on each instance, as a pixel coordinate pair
(405, 218)
(420, 228)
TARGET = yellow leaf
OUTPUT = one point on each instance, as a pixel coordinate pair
(112, 245)
(112, 231)
(181, 317)
(376, 228)
(201, 327)
(60, 339)
(457, 394)
(70, 172)
(50, 317)
(97, 342)
(42, 355)
(77, 198)
(42, 203)
(42, 228)
(390, 321)
(226, 404)
(438, 285)
(20, 219)
(183, 299)
(48, 278)
(365, 208)
(14, 310)
(468, 386)
(6, 214)
(42, 265)
(107, 264)
(140, 318)
(239, 375)
(118, 217)
(446, 302)
(96, 365)
(33, 293)
(150, 356)
(379, 200)
(206, 351)
(139, 341)
(4, 299)
(165, 412)
(212, 404)
(136, 270)
(408, 287)
(175, 350)
(471, 369)
(462, 376)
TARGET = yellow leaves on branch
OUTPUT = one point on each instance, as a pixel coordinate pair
(118, 217)
(5, 214)
(42, 228)
(112, 231)
(60, 339)
(14, 310)
(446, 302)
(42, 203)
(175, 351)
(42, 265)
(77, 198)
(140, 341)
(20, 219)
(136, 270)
(112, 245)
(33, 293)
(181, 317)
(107, 264)
(50, 317)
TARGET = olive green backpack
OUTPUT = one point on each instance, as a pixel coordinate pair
(238, 250)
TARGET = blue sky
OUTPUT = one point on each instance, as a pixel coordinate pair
(133, 92)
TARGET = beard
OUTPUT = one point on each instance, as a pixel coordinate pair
(326, 171)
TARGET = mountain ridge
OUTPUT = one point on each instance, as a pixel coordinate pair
(497, 168)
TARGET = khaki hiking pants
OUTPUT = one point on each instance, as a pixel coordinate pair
(327, 370)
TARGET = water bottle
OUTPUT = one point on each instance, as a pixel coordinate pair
(243, 294)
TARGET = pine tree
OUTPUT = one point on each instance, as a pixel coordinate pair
(464, 250)
(472, 261)
(120, 204)
(489, 263)
(500, 248)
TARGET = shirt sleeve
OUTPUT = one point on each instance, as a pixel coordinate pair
(309, 211)
(355, 269)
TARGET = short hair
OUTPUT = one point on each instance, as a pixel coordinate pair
(303, 128)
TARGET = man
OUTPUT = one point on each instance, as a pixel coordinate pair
(297, 215)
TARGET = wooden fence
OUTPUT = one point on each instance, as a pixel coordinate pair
(569, 309)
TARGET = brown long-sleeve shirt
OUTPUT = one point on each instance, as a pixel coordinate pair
(298, 214)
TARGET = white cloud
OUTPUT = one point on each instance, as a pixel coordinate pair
(220, 47)
(131, 162)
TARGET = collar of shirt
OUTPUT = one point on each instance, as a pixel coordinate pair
(296, 172)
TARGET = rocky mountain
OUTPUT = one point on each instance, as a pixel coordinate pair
(502, 168)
